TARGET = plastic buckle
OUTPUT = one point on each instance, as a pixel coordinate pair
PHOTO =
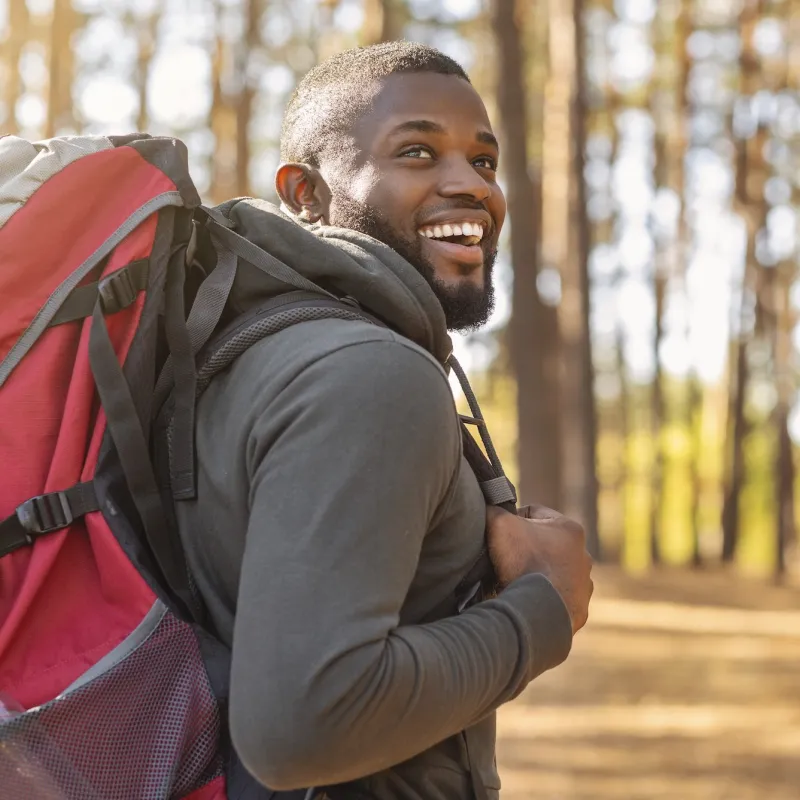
(45, 513)
(116, 291)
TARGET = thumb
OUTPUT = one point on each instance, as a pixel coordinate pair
(539, 513)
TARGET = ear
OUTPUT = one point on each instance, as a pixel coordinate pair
(303, 191)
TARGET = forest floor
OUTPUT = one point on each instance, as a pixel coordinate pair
(683, 686)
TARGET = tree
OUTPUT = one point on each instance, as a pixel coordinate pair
(534, 337)
(63, 23)
(19, 21)
(146, 40)
(749, 198)
(233, 95)
(382, 21)
(579, 434)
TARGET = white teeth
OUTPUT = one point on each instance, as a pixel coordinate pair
(472, 229)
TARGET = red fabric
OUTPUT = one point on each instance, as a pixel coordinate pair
(73, 596)
(211, 791)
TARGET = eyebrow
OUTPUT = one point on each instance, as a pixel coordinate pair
(428, 126)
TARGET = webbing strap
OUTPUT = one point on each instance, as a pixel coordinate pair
(115, 292)
(261, 259)
(134, 456)
(44, 514)
(186, 339)
(498, 491)
(184, 378)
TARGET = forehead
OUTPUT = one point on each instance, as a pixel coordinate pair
(447, 100)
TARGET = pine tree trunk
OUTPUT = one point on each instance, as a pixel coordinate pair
(147, 36)
(60, 70)
(579, 426)
(19, 21)
(534, 336)
(751, 205)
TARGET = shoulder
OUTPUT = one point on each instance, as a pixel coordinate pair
(338, 372)
(342, 355)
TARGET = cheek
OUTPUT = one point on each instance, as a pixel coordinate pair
(364, 183)
(498, 207)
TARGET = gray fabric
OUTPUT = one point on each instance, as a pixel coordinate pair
(498, 490)
(262, 259)
(25, 166)
(347, 262)
(260, 328)
(334, 511)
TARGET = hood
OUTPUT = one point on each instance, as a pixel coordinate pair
(344, 262)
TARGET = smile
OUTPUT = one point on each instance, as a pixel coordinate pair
(463, 233)
(457, 241)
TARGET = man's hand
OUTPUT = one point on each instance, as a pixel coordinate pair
(544, 541)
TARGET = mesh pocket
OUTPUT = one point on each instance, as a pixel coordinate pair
(147, 729)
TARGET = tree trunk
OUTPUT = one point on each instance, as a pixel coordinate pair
(381, 21)
(657, 419)
(147, 33)
(750, 203)
(534, 336)
(695, 415)
(19, 20)
(734, 452)
(579, 426)
(60, 72)
(784, 463)
(244, 101)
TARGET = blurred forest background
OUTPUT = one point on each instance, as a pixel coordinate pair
(640, 370)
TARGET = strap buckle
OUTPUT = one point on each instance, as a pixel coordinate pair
(44, 513)
(116, 291)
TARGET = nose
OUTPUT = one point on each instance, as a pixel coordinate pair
(460, 179)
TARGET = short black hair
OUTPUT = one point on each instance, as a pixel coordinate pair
(331, 97)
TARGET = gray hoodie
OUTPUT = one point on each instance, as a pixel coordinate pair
(334, 511)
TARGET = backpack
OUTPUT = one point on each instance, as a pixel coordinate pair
(112, 685)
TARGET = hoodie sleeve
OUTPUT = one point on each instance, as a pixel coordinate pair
(349, 466)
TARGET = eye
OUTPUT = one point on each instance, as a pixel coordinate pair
(485, 162)
(417, 152)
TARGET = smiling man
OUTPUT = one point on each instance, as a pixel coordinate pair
(336, 514)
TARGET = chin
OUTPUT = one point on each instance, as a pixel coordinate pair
(456, 274)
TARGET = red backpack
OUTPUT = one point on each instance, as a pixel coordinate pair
(111, 685)
(98, 650)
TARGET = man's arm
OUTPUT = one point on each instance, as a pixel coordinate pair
(348, 469)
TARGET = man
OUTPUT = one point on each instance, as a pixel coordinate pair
(335, 507)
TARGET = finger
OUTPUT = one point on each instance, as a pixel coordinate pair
(493, 512)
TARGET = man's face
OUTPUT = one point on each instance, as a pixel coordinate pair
(420, 176)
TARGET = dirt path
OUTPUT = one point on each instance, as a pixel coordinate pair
(683, 687)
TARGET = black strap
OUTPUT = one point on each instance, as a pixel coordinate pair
(45, 513)
(134, 456)
(259, 258)
(185, 340)
(184, 378)
(115, 292)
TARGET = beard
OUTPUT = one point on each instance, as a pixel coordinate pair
(466, 307)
